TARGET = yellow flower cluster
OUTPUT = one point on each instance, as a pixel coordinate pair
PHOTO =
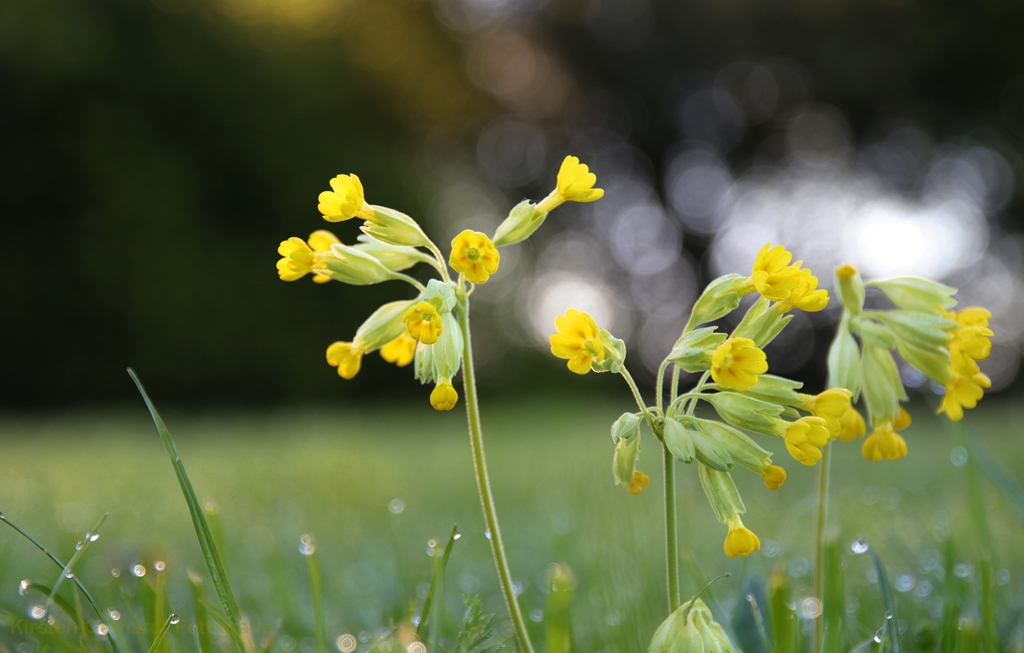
(968, 343)
(735, 382)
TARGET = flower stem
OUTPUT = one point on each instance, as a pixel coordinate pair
(824, 468)
(671, 531)
(484, 485)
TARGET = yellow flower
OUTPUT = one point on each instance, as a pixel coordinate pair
(968, 344)
(423, 323)
(345, 201)
(851, 425)
(902, 420)
(805, 296)
(963, 392)
(804, 439)
(301, 258)
(884, 443)
(444, 396)
(740, 541)
(346, 358)
(638, 482)
(845, 272)
(774, 476)
(578, 340)
(400, 351)
(736, 364)
(830, 405)
(474, 255)
(772, 275)
(575, 183)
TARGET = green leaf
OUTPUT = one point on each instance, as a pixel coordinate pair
(435, 581)
(892, 631)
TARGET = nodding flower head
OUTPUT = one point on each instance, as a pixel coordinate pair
(344, 201)
(578, 340)
(346, 358)
(736, 364)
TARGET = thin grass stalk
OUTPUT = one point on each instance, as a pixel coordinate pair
(435, 582)
(308, 549)
(824, 471)
(159, 638)
(483, 483)
(68, 570)
(202, 632)
(79, 617)
(671, 513)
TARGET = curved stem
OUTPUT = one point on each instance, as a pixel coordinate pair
(660, 384)
(483, 483)
(824, 468)
(441, 264)
(671, 530)
(639, 399)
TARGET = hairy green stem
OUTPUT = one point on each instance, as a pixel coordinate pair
(824, 468)
(483, 483)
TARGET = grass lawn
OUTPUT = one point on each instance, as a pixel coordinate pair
(375, 486)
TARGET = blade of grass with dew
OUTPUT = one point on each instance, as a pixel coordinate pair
(160, 634)
(45, 590)
(435, 581)
(79, 620)
(114, 642)
(307, 547)
(225, 623)
(68, 571)
(892, 630)
(833, 602)
(783, 618)
(747, 622)
(196, 639)
(203, 643)
(160, 597)
(211, 555)
(988, 615)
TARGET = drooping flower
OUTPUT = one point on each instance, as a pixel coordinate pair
(423, 323)
(736, 364)
(740, 541)
(320, 242)
(400, 351)
(772, 275)
(902, 420)
(444, 396)
(577, 340)
(346, 358)
(963, 392)
(344, 201)
(576, 181)
(831, 405)
(774, 476)
(806, 295)
(851, 425)
(638, 482)
(804, 439)
(474, 255)
(302, 258)
(884, 443)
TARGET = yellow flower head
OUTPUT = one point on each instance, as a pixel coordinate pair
(444, 396)
(576, 182)
(740, 541)
(774, 476)
(736, 364)
(345, 201)
(963, 392)
(846, 272)
(830, 405)
(772, 275)
(968, 344)
(638, 482)
(805, 438)
(423, 323)
(806, 296)
(301, 258)
(578, 340)
(474, 255)
(973, 316)
(884, 443)
(400, 351)
(851, 425)
(902, 420)
(346, 358)
(320, 242)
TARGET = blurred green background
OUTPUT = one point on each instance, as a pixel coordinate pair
(157, 152)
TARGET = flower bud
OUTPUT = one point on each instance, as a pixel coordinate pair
(844, 360)
(851, 288)
(776, 390)
(745, 412)
(624, 460)
(679, 440)
(693, 351)
(761, 323)
(721, 297)
(383, 326)
(444, 396)
(626, 427)
(691, 629)
(394, 228)
(522, 221)
(883, 388)
(394, 257)
(356, 267)
(708, 449)
(423, 363)
(447, 354)
(614, 354)
(916, 294)
(738, 445)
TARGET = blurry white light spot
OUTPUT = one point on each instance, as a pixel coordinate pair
(346, 643)
(554, 293)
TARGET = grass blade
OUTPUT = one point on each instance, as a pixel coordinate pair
(891, 622)
(747, 622)
(114, 643)
(784, 621)
(206, 541)
(833, 602)
(159, 638)
(988, 614)
(435, 581)
(203, 643)
(61, 602)
(308, 549)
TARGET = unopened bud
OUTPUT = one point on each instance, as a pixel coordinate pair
(694, 349)
(383, 326)
(522, 221)
(721, 297)
(916, 294)
(851, 288)
(691, 629)
(394, 228)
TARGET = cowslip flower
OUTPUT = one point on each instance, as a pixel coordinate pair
(444, 396)
(400, 351)
(423, 323)
(831, 405)
(772, 276)
(577, 340)
(851, 425)
(774, 476)
(736, 364)
(884, 443)
(638, 482)
(804, 439)
(963, 392)
(345, 200)
(575, 183)
(302, 258)
(967, 344)
(740, 541)
(806, 296)
(474, 256)
(346, 358)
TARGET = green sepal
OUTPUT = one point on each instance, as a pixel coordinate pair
(679, 440)
(916, 294)
(384, 325)
(745, 412)
(522, 221)
(883, 388)
(624, 459)
(761, 323)
(844, 368)
(722, 493)
(394, 228)
(394, 257)
(721, 297)
(776, 390)
(873, 333)
(694, 349)
(614, 354)
(440, 295)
